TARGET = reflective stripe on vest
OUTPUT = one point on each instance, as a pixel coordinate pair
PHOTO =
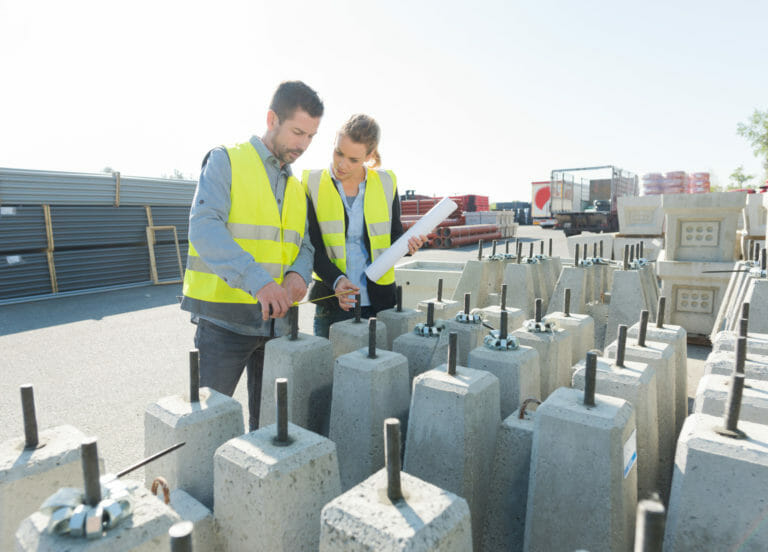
(256, 224)
(380, 190)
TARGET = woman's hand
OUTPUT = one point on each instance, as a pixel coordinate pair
(346, 301)
(415, 243)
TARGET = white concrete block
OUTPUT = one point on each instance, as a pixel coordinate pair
(628, 299)
(712, 398)
(204, 536)
(423, 352)
(582, 329)
(492, 315)
(203, 426)
(640, 215)
(754, 215)
(399, 323)
(723, 363)
(520, 287)
(470, 336)
(347, 336)
(757, 343)
(575, 279)
(554, 348)
(419, 279)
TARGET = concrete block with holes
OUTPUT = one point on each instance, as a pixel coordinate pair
(582, 491)
(203, 426)
(307, 364)
(366, 391)
(504, 527)
(349, 335)
(269, 495)
(398, 322)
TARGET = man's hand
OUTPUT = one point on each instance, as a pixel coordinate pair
(347, 301)
(274, 296)
(415, 243)
(295, 286)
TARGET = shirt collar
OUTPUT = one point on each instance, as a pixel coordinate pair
(268, 157)
(337, 181)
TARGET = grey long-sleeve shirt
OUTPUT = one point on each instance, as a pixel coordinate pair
(215, 245)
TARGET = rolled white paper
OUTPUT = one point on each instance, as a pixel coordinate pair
(397, 250)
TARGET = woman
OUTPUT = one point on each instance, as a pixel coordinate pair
(354, 215)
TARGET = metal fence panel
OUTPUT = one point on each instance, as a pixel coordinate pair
(27, 187)
(167, 262)
(156, 191)
(24, 275)
(94, 226)
(177, 216)
(22, 228)
(102, 267)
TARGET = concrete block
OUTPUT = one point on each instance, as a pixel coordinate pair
(517, 370)
(635, 383)
(29, 476)
(589, 238)
(307, 363)
(204, 536)
(677, 337)
(520, 280)
(492, 315)
(652, 247)
(599, 313)
(748, 242)
(470, 336)
(443, 309)
(366, 391)
(554, 348)
(729, 312)
(757, 343)
(452, 429)
(628, 298)
(479, 278)
(145, 531)
(640, 215)
(418, 279)
(693, 296)
(268, 496)
(581, 328)
(398, 323)
(203, 426)
(702, 227)
(423, 352)
(712, 398)
(576, 279)
(428, 519)
(718, 492)
(541, 287)
(754, 215)
(550, 271)
(757, 297)
(347, 336)
(659, 356)
(723, 363)
(507, 498)
(582, 492)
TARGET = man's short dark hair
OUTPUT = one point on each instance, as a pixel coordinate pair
(291, 95)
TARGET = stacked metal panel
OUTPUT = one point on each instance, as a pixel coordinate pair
(24, 275)
(81, 269)
(22, 228)
(84, 226)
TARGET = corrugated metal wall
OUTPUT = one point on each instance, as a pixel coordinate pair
(22, 229)
(171, 216)
(93, 226)
(103, 267)
(24, 275)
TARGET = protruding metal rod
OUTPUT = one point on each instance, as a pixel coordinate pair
(733, 408)
(567, 302)
(594, 250)
(453, 339)
(392, 458)
(467, 300)
(30, 418)
(430, 314)
(589, 379)
(601, 249)
(480, 250)
(530, 250)
(439, 290)
(493, 248)
(194, 376)
(631, 253)
(503, 297)
(519, 252)
(641, 251)
(585, 251)
(621, 347)
(741, 354)
(504, 327)
(576, 256)
(89, 456)
(372, 337)
(537, 309)
(643, 328)
(399, 304)
(293, 320)
(626, 257)
(660, 314)
(757, 251)
(148, 459)
(358, 309)
(750, 250)
(762, 259)
(550, 247)
(649, 525)
(541, 247)
(281, 399)
(743, 327)
(745, 309)
(506, 247)
(613, 254)
(181, 536)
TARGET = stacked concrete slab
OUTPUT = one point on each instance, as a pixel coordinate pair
(700, 237)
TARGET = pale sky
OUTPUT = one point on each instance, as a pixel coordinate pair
(472, 97)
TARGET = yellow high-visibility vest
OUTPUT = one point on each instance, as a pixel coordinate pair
(380, 190)
(256, 224)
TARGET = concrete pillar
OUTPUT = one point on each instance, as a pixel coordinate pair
(627, 299)
(452, 429)
(575, 279)
(398, 322)
(442, 305)
(34, 467)
(677, 337)
(492, 314)
(520, 280)
(580, 326)
(660, 356)
(367, 389)
(307, 362)
(203, 425)
(712, 396)
(468, 327)
(757, 297)
(583, 484)
(426, 347)
(393, 510)
(204, 536)
(350, 335)
(271, 485)
(516, 366)
(737, 468)
(636, 384)
(507, 498)
(479, 278)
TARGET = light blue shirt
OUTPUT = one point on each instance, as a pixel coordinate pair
(357, 255)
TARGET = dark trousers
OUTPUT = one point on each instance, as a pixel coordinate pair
(223, 354)
(325, 316)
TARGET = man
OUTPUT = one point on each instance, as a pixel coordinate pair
(249, 246)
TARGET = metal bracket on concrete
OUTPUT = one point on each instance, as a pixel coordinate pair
(427, 331)
(465, 318)
(495, 342)
(539, 327)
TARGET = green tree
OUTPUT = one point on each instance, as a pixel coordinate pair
(739, 179)
(755, 130)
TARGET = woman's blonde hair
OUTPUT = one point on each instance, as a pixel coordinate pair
(363, 129)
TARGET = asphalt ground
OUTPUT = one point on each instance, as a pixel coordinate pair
(97, 360)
